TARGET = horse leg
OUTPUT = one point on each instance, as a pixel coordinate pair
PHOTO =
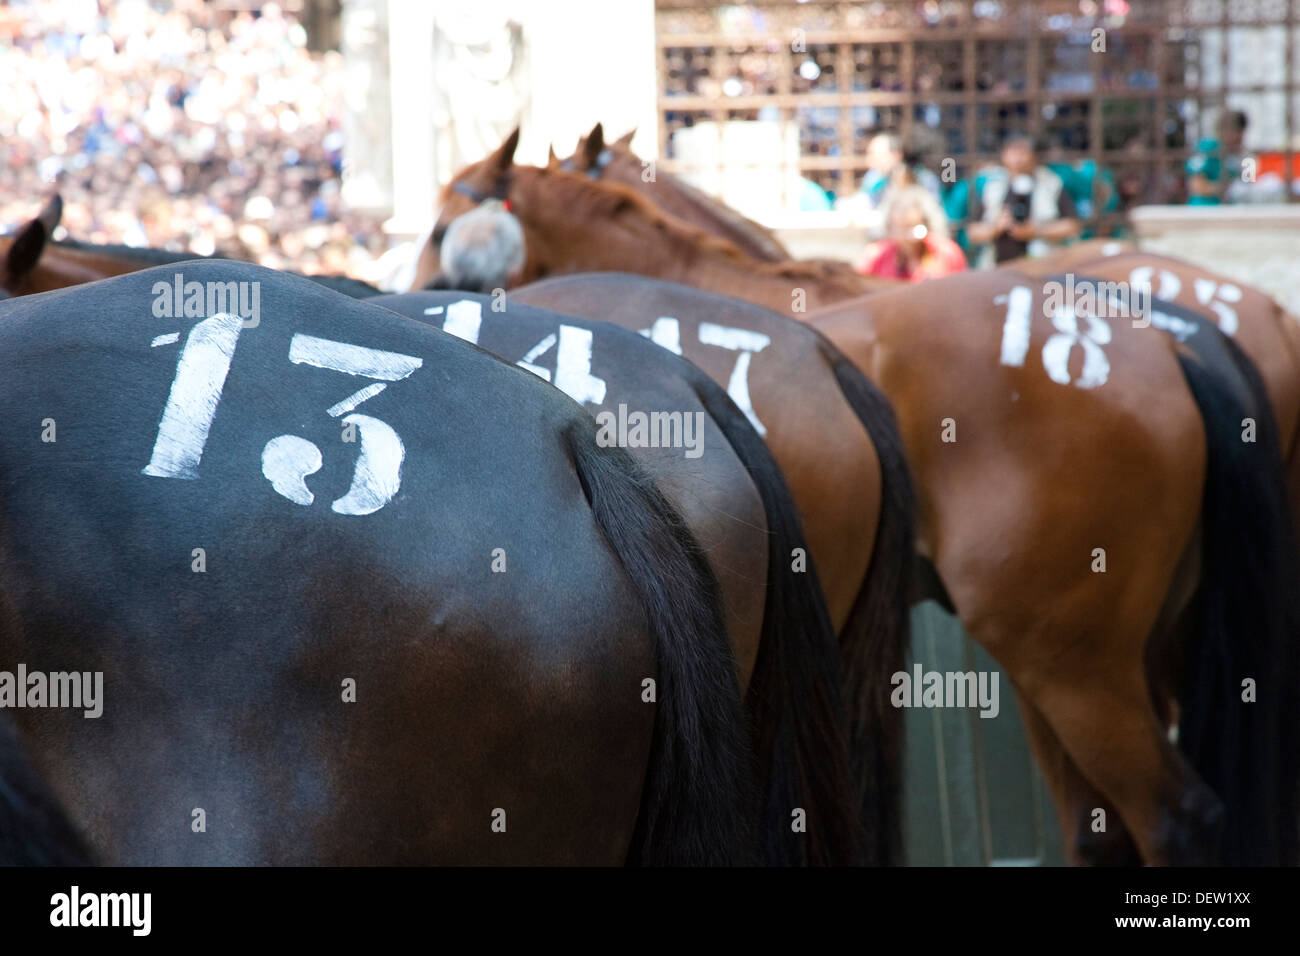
(1077, 801)
(1104, 718)
(1088, 686)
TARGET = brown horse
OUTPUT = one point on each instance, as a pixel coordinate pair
(1169, 810)
(809, 402)
(22, 252)
(1262, 327)
(1066, 257)
(558, 211)
(734, 500)
(1075, 569)
(616, 163)
(34, 262)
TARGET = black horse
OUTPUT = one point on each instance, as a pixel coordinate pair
(358, 592)
(836, 439)
(724, 482)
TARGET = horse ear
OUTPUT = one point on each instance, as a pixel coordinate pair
(505, 154)
(625, 140)
(551, 159)
(594, 145)
(51, 214)
(26, 249)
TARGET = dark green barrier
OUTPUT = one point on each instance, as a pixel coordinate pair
(973, 794)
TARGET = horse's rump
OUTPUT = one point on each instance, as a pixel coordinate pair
(329, 615)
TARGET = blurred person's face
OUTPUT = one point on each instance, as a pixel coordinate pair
(880, 156)
(335, 260)
(1229, 135)
(292, 245)
(907, 227)
(1018, 158)
(254, 237)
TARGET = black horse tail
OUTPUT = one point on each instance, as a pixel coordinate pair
(1245, 746)
(698, 799)
(796, 692)
(34, 830)
(876, 638)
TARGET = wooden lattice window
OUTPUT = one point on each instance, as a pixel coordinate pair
(955, 77)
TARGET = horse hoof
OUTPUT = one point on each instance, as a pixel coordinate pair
(1193, 834)
(1110, 848)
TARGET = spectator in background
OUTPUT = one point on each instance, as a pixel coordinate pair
(179, 124)
(890, 166)
(916, 244)
(1022, 208)
(1215, 168)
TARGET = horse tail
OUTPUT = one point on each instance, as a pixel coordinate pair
(698, 797)
(1290, 326)
(1246, 750)
(34, 830)
(876, 638)
(796, 692)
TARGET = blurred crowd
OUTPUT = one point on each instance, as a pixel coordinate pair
(177, 125)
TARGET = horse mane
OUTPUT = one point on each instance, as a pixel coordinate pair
(722, 212)
(595, 199)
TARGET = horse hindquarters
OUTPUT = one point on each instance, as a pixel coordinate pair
(34, 830)
(795, 696)
(697, 801)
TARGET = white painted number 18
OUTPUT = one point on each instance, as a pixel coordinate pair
(1056, 352)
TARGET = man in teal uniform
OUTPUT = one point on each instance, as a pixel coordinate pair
(1216, 164)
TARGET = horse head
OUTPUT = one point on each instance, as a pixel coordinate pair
(487, 179)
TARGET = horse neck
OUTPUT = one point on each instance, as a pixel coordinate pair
(558, 241)
(634, 241)
(792, 287)
(61, 267)
(678, 198)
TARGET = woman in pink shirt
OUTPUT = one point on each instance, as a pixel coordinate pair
(916, 244)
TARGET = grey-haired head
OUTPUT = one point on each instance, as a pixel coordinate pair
(482, 250)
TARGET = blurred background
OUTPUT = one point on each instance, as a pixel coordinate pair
(316, 133)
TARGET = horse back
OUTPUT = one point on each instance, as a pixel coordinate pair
(422, 640)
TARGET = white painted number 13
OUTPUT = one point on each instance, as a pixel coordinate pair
(287, 460)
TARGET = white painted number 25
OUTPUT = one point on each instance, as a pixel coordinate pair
(1218, 296)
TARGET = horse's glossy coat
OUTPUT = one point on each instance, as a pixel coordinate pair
(812, 405)
(483, 696)
(776, 615)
